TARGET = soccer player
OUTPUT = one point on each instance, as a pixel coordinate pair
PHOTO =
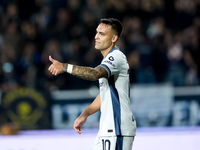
(117, 123)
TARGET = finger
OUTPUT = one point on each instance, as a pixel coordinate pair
(49, 68)
(78, 130)
(54, 72)
(51, 59)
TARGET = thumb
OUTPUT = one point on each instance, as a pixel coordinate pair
(51, 59)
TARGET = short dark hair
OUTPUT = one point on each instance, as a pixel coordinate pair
(115, 23)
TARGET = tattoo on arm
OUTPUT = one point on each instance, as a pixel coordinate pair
(88, 73)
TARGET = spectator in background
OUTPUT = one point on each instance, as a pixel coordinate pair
(59, 26)
(145, 73)
(29, 33)
(133, 32)
(192, 54)
(9, 78)
(156, 33)
(11, 14)
(12, 36)
(114, 8)
(177, 68)
(28, 65)
(42, 19)
(93, 7)
(74, 7)
(132, 8)
(184, 14)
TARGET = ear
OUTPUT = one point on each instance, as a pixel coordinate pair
(114, 38)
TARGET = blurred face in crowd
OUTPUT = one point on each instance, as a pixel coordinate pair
(105, 37)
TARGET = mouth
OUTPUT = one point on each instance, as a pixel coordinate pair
(96, 43)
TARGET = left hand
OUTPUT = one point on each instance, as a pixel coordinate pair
(79, 123)
(56, 67)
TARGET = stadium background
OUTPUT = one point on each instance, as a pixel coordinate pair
(161, 39)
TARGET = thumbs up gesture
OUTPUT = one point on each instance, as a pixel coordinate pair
(56, 67)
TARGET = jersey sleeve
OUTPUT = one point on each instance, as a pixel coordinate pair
(111, 63)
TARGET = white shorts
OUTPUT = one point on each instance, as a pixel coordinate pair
(113, 143)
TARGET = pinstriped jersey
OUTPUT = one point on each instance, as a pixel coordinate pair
(116, 114)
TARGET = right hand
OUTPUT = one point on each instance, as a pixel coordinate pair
(56, 67)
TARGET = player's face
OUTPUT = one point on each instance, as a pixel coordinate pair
(104, 38)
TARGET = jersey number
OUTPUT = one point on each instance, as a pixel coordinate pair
(106, 144)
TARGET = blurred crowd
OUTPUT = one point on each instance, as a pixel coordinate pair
(161, 39)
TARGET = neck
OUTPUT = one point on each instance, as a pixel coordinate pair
(106, 51)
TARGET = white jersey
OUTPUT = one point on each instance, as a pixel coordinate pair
(116, 114)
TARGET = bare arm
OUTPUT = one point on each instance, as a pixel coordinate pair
(91, 109)
(86, 73)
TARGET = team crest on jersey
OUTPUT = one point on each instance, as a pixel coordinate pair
(111, 58)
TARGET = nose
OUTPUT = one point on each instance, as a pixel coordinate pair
(96, 36)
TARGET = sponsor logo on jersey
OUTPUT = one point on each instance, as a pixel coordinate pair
(109, 62)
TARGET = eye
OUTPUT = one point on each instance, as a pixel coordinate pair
(102, 33)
